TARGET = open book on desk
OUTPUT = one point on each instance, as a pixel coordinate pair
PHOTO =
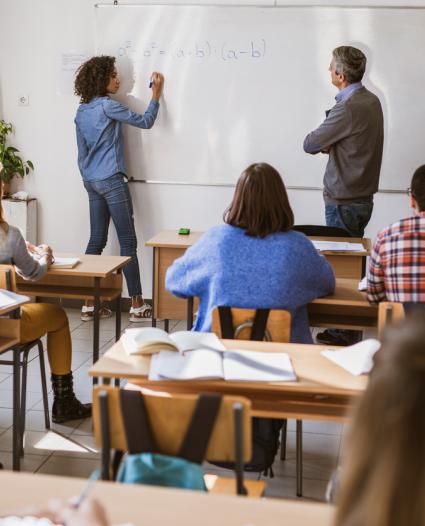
(9, 299)
(236, 365)
(151, 340)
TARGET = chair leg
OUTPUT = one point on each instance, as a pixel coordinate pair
(299, 458)
(24, 397)
(104, 426)
(44, 384)
(16, 447)
(283, 435)
(239, 465)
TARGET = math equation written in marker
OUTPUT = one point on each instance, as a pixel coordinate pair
(200, 50)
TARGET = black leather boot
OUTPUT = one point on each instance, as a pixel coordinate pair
(65, 404)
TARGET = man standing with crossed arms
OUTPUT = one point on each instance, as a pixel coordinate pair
(352, 134)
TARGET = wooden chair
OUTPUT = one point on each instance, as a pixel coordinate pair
(278, 329)
(169, 418)
(278, 324)
(8, 282)
(389, 312)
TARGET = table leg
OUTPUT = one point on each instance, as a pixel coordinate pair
(16, 446)
(166, 325)
(299, 460)
(153, 287)
(96, 323)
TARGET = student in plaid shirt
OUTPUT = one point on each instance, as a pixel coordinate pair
(397, 264)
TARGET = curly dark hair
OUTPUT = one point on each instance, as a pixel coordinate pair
(93, 76)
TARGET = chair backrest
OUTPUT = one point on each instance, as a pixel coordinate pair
(169, 417)
(7, 277)
(389, 312)
(278, 323)
(321, 230)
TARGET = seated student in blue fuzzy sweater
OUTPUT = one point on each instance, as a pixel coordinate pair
(254, 260)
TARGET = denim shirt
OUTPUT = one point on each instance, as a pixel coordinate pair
(99, 135)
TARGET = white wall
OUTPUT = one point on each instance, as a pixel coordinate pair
(32, 39)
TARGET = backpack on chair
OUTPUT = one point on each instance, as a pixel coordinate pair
(265, 431)
(144, 465)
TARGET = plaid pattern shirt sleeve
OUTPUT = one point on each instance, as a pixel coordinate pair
(375, 277)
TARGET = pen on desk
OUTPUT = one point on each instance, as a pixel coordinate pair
(88, 486)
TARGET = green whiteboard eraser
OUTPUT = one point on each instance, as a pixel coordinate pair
(184, 231)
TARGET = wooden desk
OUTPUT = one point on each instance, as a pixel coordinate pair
(168, 245)
(323, 391)
(346, 308)
(152, 506)
(97, 278)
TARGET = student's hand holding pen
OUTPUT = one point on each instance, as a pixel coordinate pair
(157, 85)
(89, 513)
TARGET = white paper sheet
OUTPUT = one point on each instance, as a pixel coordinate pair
(338, 246)
(356, 359)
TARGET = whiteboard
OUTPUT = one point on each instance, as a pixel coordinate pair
(246, 84)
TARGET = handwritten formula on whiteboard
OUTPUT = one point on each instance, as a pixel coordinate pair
(206, 50)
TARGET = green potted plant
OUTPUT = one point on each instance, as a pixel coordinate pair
(11, 164)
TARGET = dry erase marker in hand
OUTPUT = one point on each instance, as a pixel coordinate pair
(151, 83)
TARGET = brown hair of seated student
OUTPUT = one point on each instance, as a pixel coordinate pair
(383, 475)
(418, 187)
(260, 203)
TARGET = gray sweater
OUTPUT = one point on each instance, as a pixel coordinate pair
(354, 132)
(13, 251)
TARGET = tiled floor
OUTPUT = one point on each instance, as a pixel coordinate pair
(69, 449)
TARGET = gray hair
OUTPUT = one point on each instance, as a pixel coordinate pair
(350, 62)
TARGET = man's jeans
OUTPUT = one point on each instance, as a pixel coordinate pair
(111, 198)
(352, 217)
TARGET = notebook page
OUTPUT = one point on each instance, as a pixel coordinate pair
(8, 298)
(356, 359)
(65, 262)
(146, 340)
(254, 366)
(191, 365)
(190, 341)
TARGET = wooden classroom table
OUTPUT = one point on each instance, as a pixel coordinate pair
(97, 278)
(324, 391)
(168, 245)
(154, 506)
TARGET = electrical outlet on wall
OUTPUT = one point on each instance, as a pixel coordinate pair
(23, 100)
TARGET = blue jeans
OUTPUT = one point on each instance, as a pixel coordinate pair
(352, 217)
(111, 198)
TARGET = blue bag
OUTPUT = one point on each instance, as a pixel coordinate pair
(142, 465)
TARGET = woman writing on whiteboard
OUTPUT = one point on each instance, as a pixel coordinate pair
(255, 260)
(101, 162)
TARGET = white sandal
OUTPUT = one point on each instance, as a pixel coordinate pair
(138, 314)
(87, 313)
